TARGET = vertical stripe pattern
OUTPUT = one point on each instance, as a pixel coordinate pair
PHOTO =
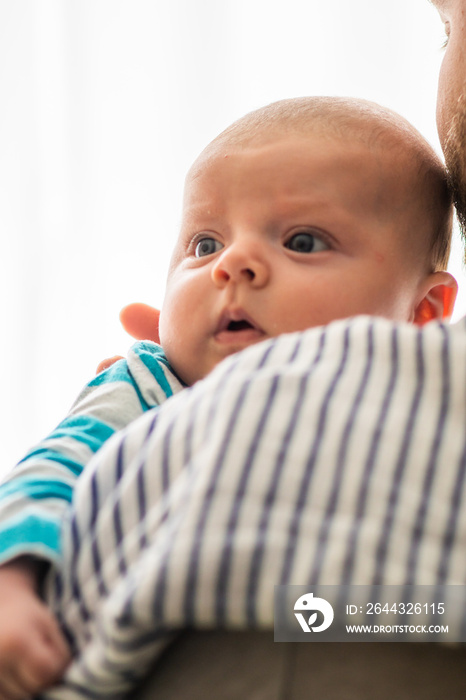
(337, 455)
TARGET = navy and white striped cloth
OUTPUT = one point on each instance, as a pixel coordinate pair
(337, 455)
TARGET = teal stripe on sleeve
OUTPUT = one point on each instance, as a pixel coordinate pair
(152, 355)
(37, 489)
(43, 454)
(29, 531)
(86, 429)
(119, 372)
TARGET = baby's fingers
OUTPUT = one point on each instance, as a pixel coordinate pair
(36, 662)
(48, 658)
(54, 639)
(11, 687)
(14, 657)
(42, 670)
(32, 674)
(105, 364)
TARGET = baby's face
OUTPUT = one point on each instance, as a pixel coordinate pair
(285, 236)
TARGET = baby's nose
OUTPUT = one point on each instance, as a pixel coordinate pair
(241, 264)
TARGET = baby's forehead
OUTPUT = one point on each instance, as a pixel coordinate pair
(370, 129)
(271, 146)
(409, 173)
(296, 154)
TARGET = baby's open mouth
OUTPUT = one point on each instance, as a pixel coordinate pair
(239, 329)
(239, 325)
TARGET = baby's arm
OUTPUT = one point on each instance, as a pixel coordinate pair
(33, 501)
(38, 491)
(36, 494)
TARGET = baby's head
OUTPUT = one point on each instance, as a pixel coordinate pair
(300, 213)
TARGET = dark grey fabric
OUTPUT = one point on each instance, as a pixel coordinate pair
(248, 665)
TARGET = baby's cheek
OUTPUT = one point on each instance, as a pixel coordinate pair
(179, 361)
(169, 333)
(164, 329)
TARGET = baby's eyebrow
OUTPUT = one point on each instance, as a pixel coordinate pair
(203, 207)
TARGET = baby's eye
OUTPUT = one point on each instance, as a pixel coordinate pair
(304, 242)
(207, 246)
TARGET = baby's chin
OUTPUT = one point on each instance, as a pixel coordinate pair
(192, 375)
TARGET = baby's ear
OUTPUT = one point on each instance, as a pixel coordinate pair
(439, 296)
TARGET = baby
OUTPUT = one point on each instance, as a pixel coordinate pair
(300, 213)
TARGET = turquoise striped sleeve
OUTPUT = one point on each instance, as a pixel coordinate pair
(37, 492)
(37, 489)
(147, 360)
(34, 534)
(119, 372)
(88, 429)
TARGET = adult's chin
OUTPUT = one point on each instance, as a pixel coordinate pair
(454, 148)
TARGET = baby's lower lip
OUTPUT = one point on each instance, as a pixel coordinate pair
(240, 337)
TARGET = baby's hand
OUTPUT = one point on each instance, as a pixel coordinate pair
(139, 320)
(33, 651)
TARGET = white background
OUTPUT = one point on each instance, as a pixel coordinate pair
(103, 106)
